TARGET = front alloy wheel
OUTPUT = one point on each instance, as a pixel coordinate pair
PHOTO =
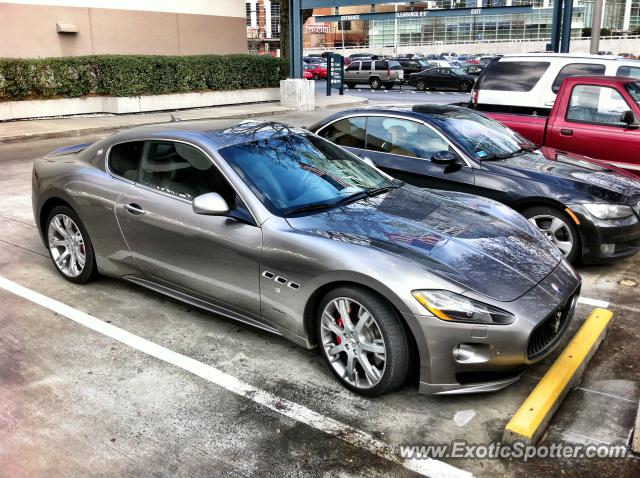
(362, 341)
(557, 228)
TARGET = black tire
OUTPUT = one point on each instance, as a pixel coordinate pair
(540, 212)
(421, 85)
(388, 86)
(396, 342)
(90, 270)
(316, 76)
(465, 86)
(375, 83)
(350, 85)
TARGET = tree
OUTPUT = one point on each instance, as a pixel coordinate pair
(284, 26)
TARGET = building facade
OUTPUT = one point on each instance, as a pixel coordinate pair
(460, 21)
(263, 26)
(53, 28)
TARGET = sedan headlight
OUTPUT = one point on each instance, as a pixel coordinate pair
(456, 308)
(608, 211)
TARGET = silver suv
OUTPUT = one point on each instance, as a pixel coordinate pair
(377, 73)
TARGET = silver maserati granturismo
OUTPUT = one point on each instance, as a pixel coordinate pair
(278, 228)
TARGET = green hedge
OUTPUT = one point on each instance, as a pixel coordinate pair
(129, 75)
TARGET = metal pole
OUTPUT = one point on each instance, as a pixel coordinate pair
(395, 32)
(566, 25)
(594, 46)
(556, 25)
(295, 39)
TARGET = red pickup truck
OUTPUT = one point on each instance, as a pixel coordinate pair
(595, 116)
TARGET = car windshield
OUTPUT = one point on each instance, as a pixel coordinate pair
(297, 173)
(458, 71)
(482, 138)
(634, 91)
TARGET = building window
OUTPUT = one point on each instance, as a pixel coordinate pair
(275, 19)
(248, 5)
(344, 25)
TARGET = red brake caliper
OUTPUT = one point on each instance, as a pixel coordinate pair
(341, 325)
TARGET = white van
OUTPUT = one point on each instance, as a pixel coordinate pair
(528, 83)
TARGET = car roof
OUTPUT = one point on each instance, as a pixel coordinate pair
(574, 56)
(207, 132)
(602, 79)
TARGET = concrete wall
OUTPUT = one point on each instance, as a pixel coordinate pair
(621, 45)
(29, 31)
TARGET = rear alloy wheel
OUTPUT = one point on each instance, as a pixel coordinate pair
(351, 85)
(69, 246)
(362, 340)
(465, 86)
(558, 228)
(388, 86)
(421, 85)
(375, 83)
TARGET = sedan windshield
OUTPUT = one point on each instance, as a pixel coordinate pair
(482, 138)
(300, 173)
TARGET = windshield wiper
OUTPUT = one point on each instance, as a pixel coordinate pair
(365, 193)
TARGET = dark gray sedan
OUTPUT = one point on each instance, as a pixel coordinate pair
(280, 229)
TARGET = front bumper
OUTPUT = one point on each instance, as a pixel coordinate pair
(470, 358)
(620, 237)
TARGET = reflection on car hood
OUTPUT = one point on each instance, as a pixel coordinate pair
(588, 175)
(452, 235)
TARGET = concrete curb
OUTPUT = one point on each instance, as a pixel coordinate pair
(530, 422)
(116, 127)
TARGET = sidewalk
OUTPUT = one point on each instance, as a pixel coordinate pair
(81, 125)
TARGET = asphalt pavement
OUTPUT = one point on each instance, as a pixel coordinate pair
(76, 400)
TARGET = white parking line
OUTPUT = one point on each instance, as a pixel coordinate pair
(594, 302)
(300, 413)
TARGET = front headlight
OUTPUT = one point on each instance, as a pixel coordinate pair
(608, 211)
(456, 308)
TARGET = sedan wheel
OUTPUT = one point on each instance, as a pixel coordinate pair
(362, 341)
(69, 246)
(465, 86)
(421, 85)
(557, 228)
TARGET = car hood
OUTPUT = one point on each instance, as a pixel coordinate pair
(589, 176)
(477, 243)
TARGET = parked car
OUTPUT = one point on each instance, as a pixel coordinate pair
(529, 83)
(412, 65)
(597, 116)
(589, 210)
(375, 73)
(278, 228)
(442, 78)
(307, 75)
(472, 69)
(317, 71)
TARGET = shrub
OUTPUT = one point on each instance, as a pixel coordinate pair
(135, 75)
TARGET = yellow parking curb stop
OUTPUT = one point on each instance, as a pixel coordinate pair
(531, 420)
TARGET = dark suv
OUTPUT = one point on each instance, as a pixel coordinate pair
(412, 65)
(376, 73)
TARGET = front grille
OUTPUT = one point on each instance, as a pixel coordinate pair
(549, 331)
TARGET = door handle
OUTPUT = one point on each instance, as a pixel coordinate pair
(134, 209)
(566, 132)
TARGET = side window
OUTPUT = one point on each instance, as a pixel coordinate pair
(403, 137)
(182, 170)
(576, 69)
(512, 75)
(366, 65)
(347, 132)
(632, 71)
(380, 65)
(596, 105)
(355, 66)
(124, 159)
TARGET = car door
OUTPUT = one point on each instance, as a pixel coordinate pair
(214, 257)
(403, 148)
(591, 125)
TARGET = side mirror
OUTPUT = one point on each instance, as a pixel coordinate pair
(629, 119)
(444, 157)
(210, 204)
